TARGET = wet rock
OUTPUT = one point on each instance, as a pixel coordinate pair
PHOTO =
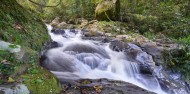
(51, 44)
(171, 86)
(169, 83)
(158, 52)
(57, 62)
(156, 49)
(145, 60)
(73, 31)
(80, 48)
(103, 86)
(14, 89)
(155, 52)
(151, 48)
(135, 54)
(146, 69)
(101, 38)
(58, 31)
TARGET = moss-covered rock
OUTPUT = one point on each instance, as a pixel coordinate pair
(108, 10)
(21, 26)
(41, 81)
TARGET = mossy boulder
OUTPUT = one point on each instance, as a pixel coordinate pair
(22, 67)
(108, 10)
(41, 81)
(20, 26)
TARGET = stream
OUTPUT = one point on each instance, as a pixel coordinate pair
(76, 57)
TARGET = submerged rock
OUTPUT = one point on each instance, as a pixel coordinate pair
(58, 31)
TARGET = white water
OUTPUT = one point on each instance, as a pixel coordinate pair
(79, 58)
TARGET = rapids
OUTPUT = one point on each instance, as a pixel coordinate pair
(76, 58)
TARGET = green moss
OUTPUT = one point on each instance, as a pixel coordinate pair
(104, 6)
(108, 10)
(21, 26)
(37, 79)
(113, 27)
(185, 40)
(7, 65)
(41, 82)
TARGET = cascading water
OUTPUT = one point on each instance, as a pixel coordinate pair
(77, 58)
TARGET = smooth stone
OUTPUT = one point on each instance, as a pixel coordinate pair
(7, 47)
(14, 89)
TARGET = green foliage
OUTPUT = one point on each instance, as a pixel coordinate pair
(150, 35)
(179, 60)
(7, 63)
(143, 23)
(172, 16)
(6, 69)
(67, 9)
(13, 46)
(185, 40)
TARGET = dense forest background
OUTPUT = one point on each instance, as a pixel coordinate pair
(166, 16)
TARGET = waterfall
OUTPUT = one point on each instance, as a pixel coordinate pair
(77, 58)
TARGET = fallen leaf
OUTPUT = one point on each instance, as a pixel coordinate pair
(10, 80)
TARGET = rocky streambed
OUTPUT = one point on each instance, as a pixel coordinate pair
(84, 63)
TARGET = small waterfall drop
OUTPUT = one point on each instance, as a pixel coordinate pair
(77, 58)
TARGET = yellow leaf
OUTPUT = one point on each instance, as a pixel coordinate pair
(11, 80)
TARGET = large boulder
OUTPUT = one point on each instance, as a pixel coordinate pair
(108, 10)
